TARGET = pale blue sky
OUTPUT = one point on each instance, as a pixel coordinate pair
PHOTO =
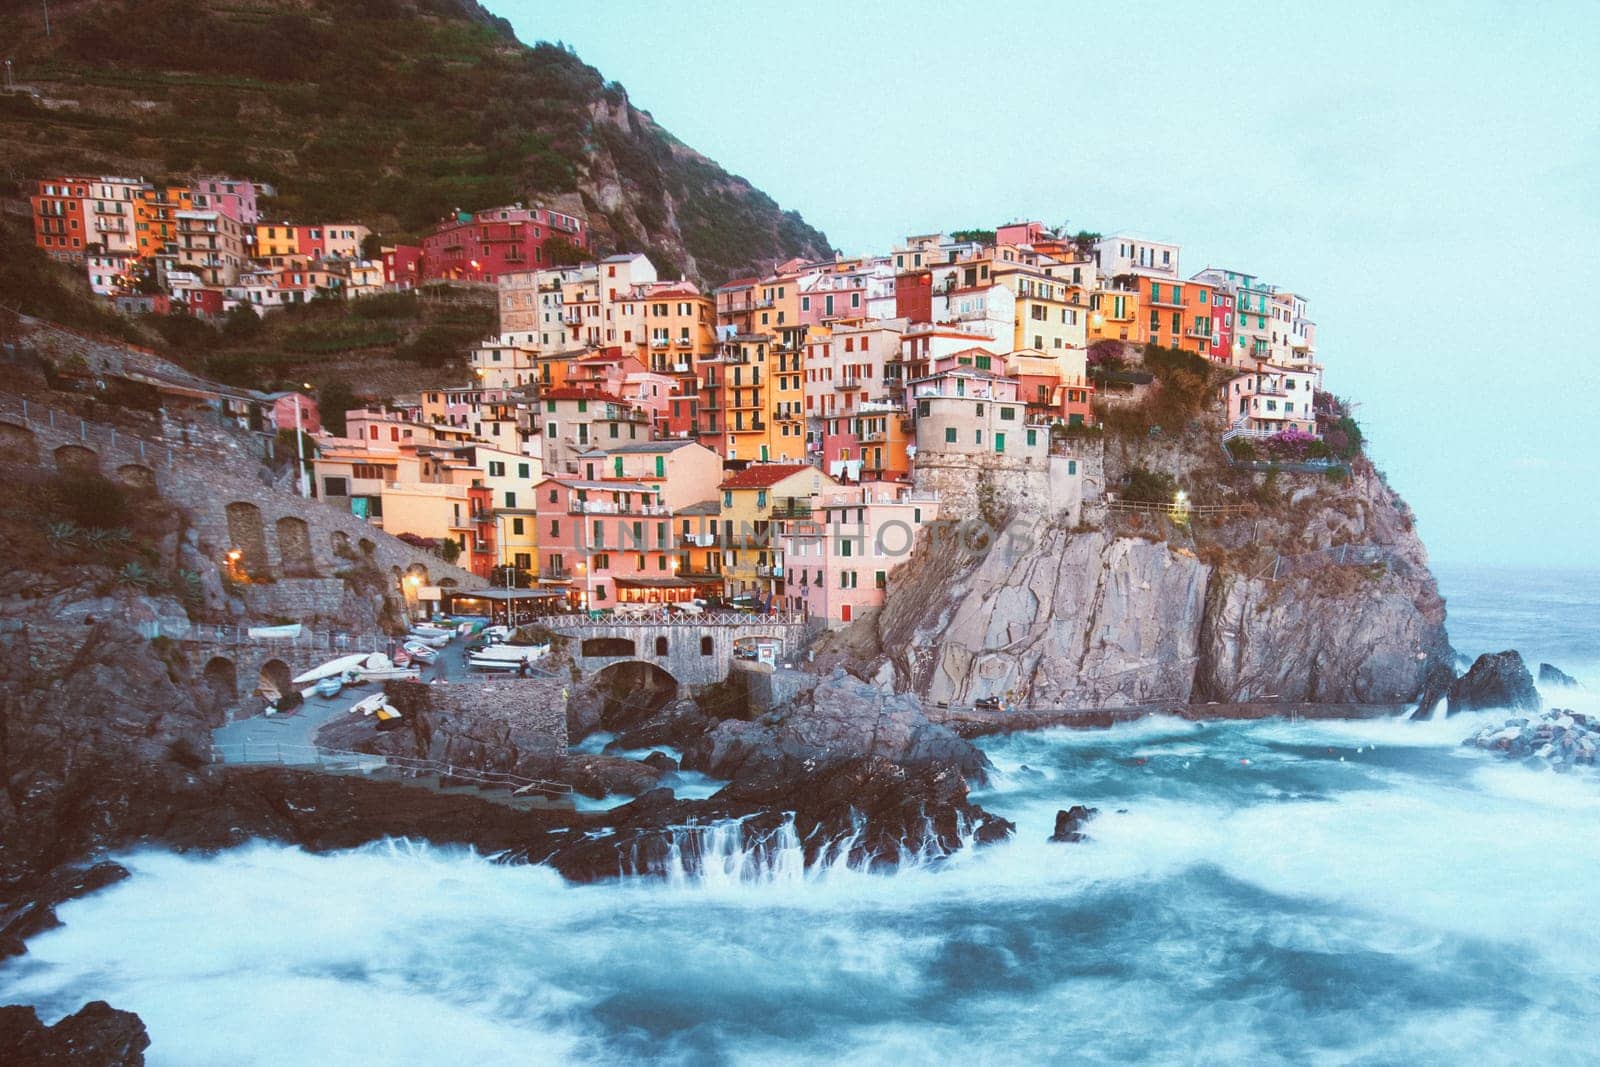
(1428, 178)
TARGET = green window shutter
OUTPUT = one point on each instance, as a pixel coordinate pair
(616, 465)
(661, 466)
(950, 435)
(999, 442)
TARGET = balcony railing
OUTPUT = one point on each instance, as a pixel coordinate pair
(792, 509)
(769, 570)
(611, 507)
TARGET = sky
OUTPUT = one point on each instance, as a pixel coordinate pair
(1428, 176)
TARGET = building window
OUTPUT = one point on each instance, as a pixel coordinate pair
(516, 527)
(950, 435)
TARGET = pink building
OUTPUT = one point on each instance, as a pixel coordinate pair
(839, 566)
(233, 197)
(283, 412)
(480, 246)
(607, 543)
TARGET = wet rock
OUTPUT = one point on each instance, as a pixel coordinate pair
(842, 718)
(1435, 688)
(35, 912)
(661, 762)
(1552, 675)
(1069, 823)
(1559, 738)
(98, 1035)
(1496, 680)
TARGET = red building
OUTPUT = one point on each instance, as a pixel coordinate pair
(1221, 325)
(481, 246)
(913, 296)
(402, 266)
(60, 217)
(481, 555)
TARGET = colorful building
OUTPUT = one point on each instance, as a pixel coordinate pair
(759, 504)
(838, 565)
(60, 217)
(480, 246)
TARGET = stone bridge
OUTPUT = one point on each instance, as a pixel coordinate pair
(696, 651)
(291, 549)
(233, 665)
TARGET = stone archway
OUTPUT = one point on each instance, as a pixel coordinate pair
(18, 443)
(137, 476)
(221, 680)
(76, 459)
(295, 558)
(368, 547)
(341, 545)
(275, 680)
(247, 535)
(608, 646)
(632, 691)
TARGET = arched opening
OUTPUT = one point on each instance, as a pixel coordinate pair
(632, 692)
(77, 459)
(367, 547)
(275, 681)
(608, 646)
(294, 548)
(248, 537)
(447, 583)
(221, 680)
(341, 545)
(661, 646)
(137, 476)
(18, 443)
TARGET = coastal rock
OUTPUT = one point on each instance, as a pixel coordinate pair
(1562, 738)
(1058, 616)
(35, 913)
(1069, 823)
(842, 718)
(1496, 680)
(97, 1035)
(1554, 676)
(1435, 688)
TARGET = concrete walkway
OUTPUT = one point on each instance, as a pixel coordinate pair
(291, 738)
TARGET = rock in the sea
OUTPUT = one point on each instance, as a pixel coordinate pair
(843, 718)
(1496, 680)
(1549, 674)
(1435, 688)
(1561, 738)
(96, 1036)
(1069, 823)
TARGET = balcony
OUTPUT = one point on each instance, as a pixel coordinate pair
(769, 570)
(680, 368)
(684, 342)
(791, 509)
(554, 574)
(847, 383)
(611, 507)
(699, 540)
(659, 342)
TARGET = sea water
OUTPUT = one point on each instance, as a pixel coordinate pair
(1266, 892)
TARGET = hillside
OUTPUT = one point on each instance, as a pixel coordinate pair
(387, 111)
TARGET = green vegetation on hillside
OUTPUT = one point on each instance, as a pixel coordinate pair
(394, 113)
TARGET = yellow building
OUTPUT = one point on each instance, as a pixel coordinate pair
(787, 397)
(1114, 315)
(777, 303)
(1046, 317)
(759, 504)
(510, 478)
(276, 239)
(434, 510)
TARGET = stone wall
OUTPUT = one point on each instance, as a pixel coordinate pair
(987, 485)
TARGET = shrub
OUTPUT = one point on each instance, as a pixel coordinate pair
(1143, 486)
(1242, 449)
(91, 500)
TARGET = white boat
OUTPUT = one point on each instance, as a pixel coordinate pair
(431, 640)
(487, 664)
(419, 650)
(368, 705)
(289, 630)
(331, 668)
(512, 654)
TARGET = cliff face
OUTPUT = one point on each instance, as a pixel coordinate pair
(1324, 596)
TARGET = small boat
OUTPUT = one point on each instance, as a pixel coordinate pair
(419, 650)
(479, 663)
(288, 630)
(329, 686)
(368, 705)
(424, 632)
(432, 641)
(331, 669)
(513, 654)
(389, 717)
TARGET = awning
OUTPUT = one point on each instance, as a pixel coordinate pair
(657, 583)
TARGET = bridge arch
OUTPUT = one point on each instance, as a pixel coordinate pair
(275, 679)
(632, 690)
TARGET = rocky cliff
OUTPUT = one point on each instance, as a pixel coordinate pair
(1308, 589)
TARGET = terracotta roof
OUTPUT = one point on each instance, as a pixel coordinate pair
(764, 475)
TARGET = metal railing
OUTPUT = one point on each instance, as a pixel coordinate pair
(307, 640)
(245, 753)
(1368, 555)
(728, 619)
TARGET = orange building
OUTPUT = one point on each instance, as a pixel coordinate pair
(155, 217)
(1114, 315)
(60, 216)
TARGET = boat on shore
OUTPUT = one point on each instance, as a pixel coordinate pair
(506, 657)
(332, 669)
